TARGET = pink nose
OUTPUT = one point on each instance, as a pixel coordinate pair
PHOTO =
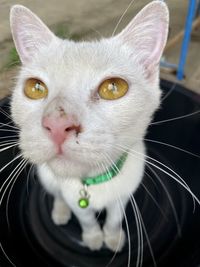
(60, 128)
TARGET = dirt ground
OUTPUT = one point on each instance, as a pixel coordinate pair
(87, 19)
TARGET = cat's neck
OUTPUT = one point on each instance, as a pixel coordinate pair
(81, 171)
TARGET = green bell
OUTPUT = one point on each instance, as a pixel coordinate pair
(83, 203)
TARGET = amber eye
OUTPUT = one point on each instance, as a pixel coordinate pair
(113, 88)
(35, 89)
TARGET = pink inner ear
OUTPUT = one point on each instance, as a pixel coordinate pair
(29, 32)
(147, 33)
(157, 45)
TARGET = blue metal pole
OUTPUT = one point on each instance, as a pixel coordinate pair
(186, 39)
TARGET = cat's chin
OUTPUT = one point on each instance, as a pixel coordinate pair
(63, 167)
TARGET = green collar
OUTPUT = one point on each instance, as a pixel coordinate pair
(112, 172)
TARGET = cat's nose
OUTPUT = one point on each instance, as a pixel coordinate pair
(60, 128)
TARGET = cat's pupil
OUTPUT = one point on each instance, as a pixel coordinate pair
(113, 87)
(38, 86)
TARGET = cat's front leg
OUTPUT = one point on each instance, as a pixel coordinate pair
(92, 234)
(61, 213)
(114, 235)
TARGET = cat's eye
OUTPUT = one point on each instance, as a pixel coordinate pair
(35, 89)
(113, 88)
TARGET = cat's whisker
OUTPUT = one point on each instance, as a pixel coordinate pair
(13, 181)
(6, 114)
(139, 260)
(128, 233)
(9, 136)
(154, 200)
(109, 160)
(176, 178)
(103, 169)
(9, 130)
(6, 256)
(169, 199)
(152, 180)
(168, 195)
(145, 231)
(120, 237)
(172, 146)
(9, 142)
(100, 171)
(10, 162)
(165, 144)
(176, 118)
(121, 18)
(8, 125)
(12, 174)
(97, 32)
(11, 178)
(127, 149)
(141, 225)
(180, 181)
(8, 147)
(114, 166)
(29, 177)
(14, 63)
(169, 92)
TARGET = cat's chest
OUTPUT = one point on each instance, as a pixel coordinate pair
(99, 195)
(72, 190)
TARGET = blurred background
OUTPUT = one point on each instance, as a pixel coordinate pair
(89, 19)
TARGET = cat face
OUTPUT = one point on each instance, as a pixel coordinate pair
(72, 126)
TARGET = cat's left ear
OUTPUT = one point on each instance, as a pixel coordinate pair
(29, 32)
(146, 34)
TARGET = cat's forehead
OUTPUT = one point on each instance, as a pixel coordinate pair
(72, 57)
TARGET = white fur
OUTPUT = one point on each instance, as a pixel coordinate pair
(72, 72)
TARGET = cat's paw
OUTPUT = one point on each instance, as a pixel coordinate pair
(60, 217)
(115, 241)
(94, 240)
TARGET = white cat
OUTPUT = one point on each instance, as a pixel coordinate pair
(81, 108)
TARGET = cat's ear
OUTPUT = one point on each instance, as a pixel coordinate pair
(29, 32)
(147, 33)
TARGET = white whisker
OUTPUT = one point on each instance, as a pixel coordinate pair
(178, 179)
(7, 257)
(8, 147)
(145, 232)
(97, 32)
(139, 234)
(172, 146)
(8, 125)
(13, 180)
(115, 253)
(9, 136)
(7, 179)
(128, 233)
(109, 160)
(176, 118)
(5, 166)
(121, 18)
(8, 143)
(154, 200)
(6, 114)
(169, 92)
(169, 198)
(8, 130)
(19, 165)
(152, 180)
(29, 177)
